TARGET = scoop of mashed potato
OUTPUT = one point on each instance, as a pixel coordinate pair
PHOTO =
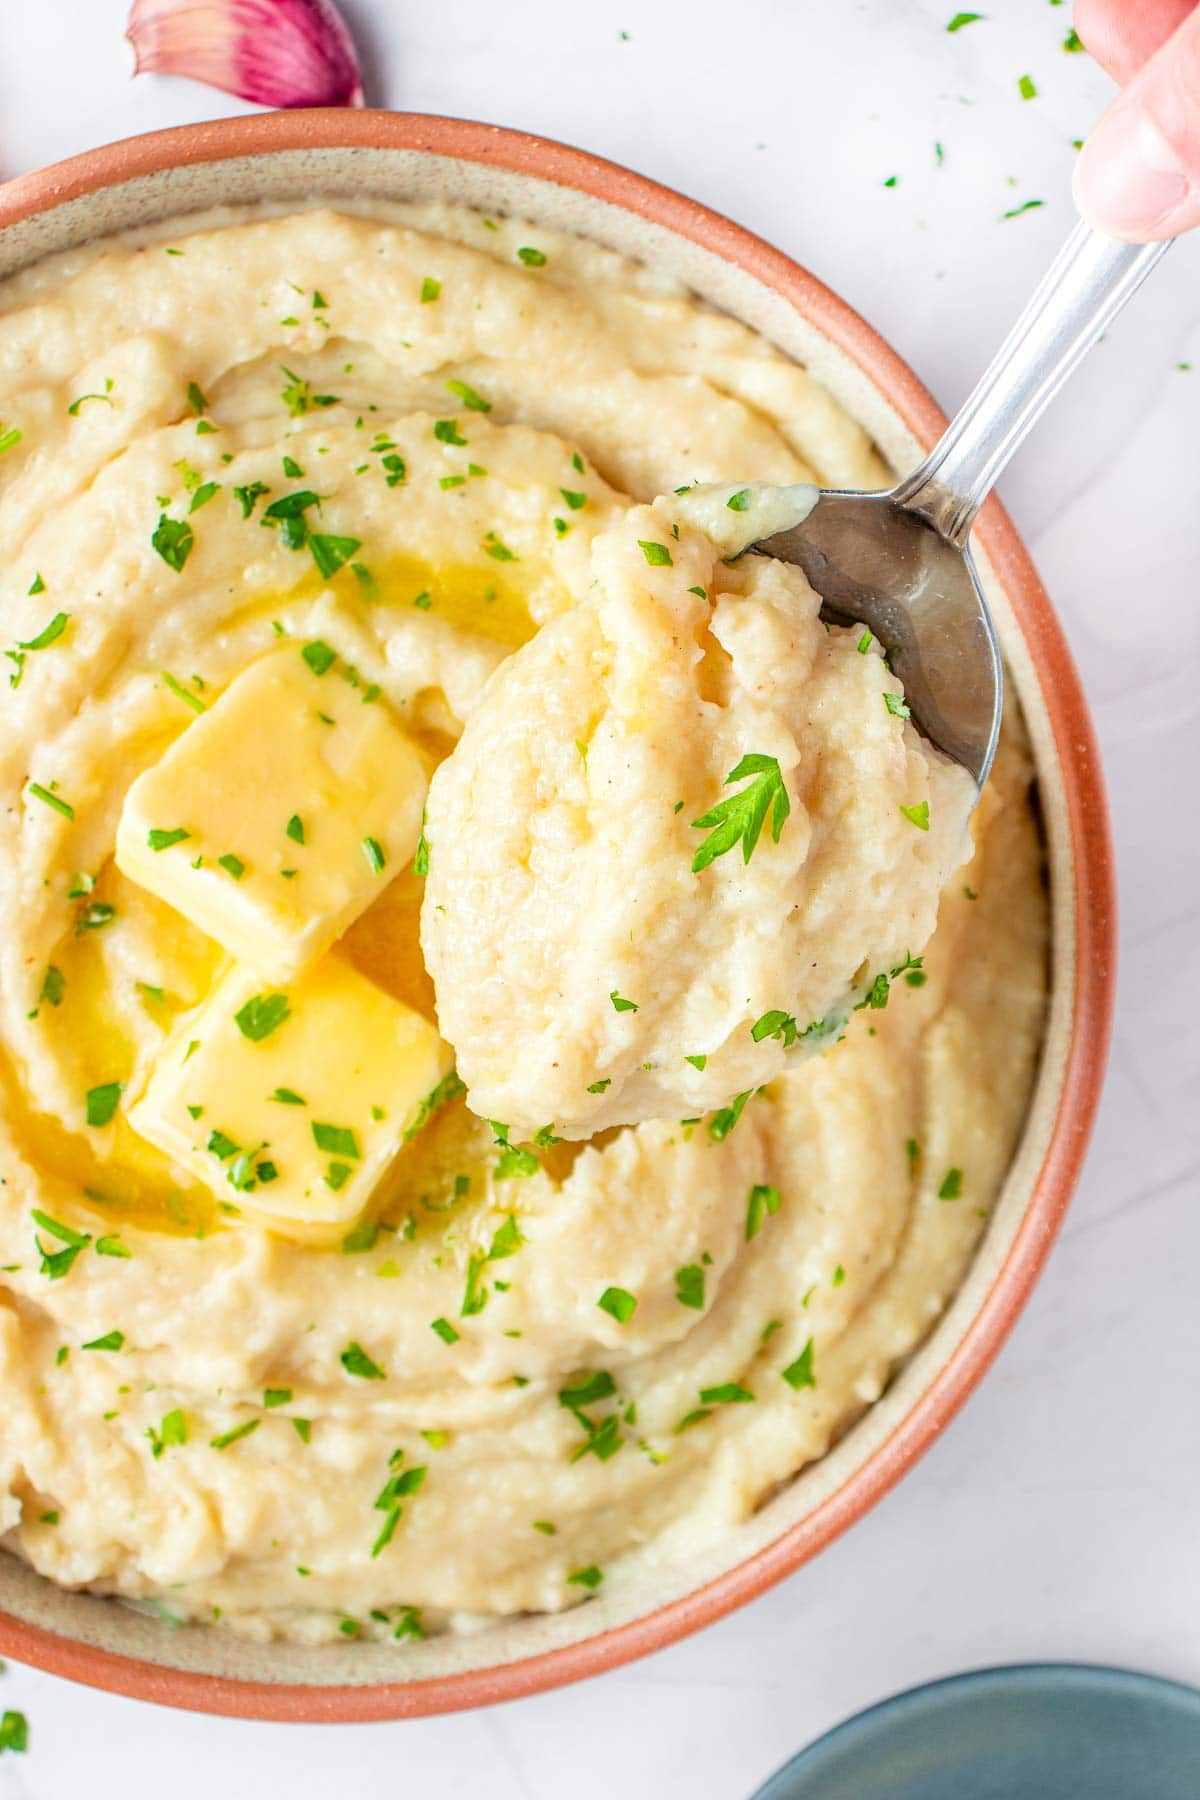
(686, 830)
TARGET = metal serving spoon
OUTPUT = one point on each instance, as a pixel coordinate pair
(899, 561)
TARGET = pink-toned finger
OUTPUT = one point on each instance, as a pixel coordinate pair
(1123, 34)
(1138, 175)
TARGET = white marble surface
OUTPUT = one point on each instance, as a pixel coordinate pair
(1058, 1516)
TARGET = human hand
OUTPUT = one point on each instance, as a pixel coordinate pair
(1138, 174)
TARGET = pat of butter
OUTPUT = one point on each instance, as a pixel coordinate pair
(291, 1103)
(280, 814)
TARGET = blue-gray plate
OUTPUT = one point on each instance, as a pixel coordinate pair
(1036, 1731)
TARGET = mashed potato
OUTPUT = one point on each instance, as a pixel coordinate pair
(595, 963)
(295, 511)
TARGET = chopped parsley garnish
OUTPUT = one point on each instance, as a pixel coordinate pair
(591, 1577)
(298, 397)
(196, 398)
(54, 984)
(620, 1004)
(203, 494)
(112, 1340)
(303, 1430)
(588, 1390)
(775, 1024)
(181, 693)
(106, 396)
(799, 1374)
(742, 816)
(618, 1303)
(689, 1286)
(112, 1246)
(50, 799)
(697, 1062)
(57, 1263)
(319, 656)
(600, 1087)
(1072, 42)
(431, 289)
(531, 257)
(261, 1015)
(48, 635)
(727, 1393)
(895, 705)
(445, 1330)
(917, 815)
(723, 1122)
(1014, 212)
(497, 548)
(355, 1361)
(9, 439)
(172, 1431)
(162, 839)
(657, 555)
(545, 1527)
(964, 18)
(232, 865)
(94, 916)
(952, 1185)
(864, 643)
(448, 1088)
(102, 1102)
(295, 828)
(913, 1151)
(762, 1204)
(332, 553)
(1027, 88)
(336, 1140)
(374, 853)
(273, 1397)
(575, 501)
(174, 540)
(514, 1162)
(471, 400)
(232, 1436)
(446, 432)
(248, 496)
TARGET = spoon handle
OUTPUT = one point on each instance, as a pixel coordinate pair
(1081, 293)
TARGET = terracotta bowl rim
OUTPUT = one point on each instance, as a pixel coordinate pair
(1094, 900)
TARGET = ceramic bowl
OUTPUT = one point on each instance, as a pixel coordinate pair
(303, 156)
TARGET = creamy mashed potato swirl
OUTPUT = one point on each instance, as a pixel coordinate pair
(465, 1371)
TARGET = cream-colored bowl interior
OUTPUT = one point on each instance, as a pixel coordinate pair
(309, 176)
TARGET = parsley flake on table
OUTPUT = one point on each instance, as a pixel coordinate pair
(964, 18)
(742, 816)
